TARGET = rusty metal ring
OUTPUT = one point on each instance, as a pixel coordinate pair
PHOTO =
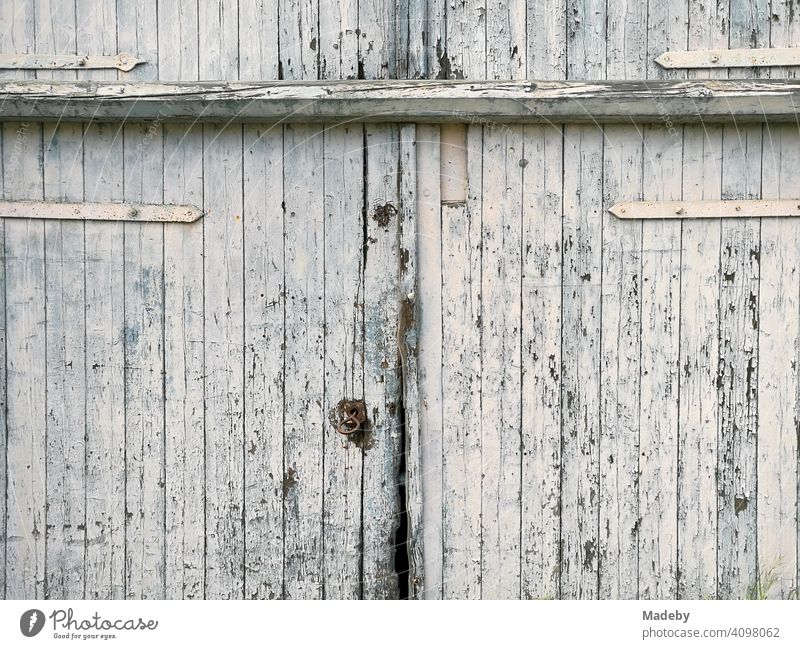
(351, 416)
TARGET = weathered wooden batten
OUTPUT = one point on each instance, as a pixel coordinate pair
(405, 101)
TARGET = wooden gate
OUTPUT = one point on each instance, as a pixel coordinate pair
(558, 402)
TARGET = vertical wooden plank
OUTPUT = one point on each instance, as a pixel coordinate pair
(412, 496)
(104, 317)
(137, 31)
(463, 53)
(64, 324)
(698, 418)
(178, 42)
(224, 361)
(299, 56)
(501, 286)
(434, 36)
(223, 271)
(412, 21)
(541, 357)
(501, 362)
(377, 25)
(343, 175)
(137, 34)
(779, 347)
(339, 41)
(581, 304)
(344, 354)
(581, 243)
(25, 368)
(3, 399)
(738, 369)
(660, 333)
(304, 418)
(658, 415)
(96, 33)
(382, 389)
(263, 317)
(620, 369)
(258, 40)
(263, 361)
(429, 357)
(779, 385)
(66, 368)
(699, 354)
(586, 39)
(546, 43)
(461, 376)
(738, 307)
(144, 368)
(25, 443)
(541, 316)
(218, 39)
(105, 415)
(621, 323)
(506, 39)
(184, 369)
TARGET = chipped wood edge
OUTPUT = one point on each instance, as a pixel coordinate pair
(138, 212)
(705, 209)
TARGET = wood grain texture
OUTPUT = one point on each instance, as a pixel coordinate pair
(778, 348)
(344, 355)
(620, 370)
(145, 548)
(304, 388)
(501, 442)
(633, 436)
(412, 497)
(65, 332)
(621, 326)
(699, 357)
(3, 402)
(737, 379)
(382, 373)
(184, 368)
(699, 333)
(224, 361)
(25, 370)
(263, 361)
(577, 100)
(658, 414)
(540, 334)
(66, 368)
(429, 330)
(461, 228)
(105, 376)
(581, 315)
(778, 503)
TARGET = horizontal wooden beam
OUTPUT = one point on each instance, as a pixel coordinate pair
(139, 212)
(487, 102)
(705, 209)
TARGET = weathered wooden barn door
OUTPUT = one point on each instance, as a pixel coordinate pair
(608, 407)
(170, 386)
